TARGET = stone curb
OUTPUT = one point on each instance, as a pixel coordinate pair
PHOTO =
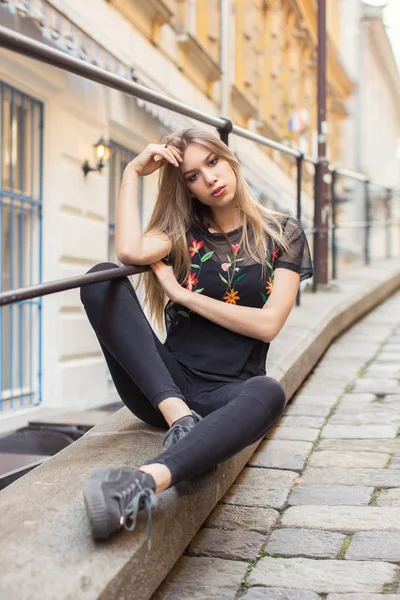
(46, 550)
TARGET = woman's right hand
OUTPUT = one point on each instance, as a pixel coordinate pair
(153, 157)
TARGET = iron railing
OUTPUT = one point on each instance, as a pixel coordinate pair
(21, 44)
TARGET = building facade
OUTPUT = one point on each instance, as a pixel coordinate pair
(371, 134)
(251, 60)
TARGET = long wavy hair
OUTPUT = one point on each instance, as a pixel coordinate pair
(176, 211)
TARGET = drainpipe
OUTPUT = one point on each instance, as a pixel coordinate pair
(321, 197)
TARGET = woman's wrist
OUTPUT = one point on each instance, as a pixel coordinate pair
(180, 295)
(131, 174)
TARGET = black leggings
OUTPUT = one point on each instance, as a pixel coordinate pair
(236, 412)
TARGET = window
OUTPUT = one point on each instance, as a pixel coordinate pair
(119, 158)
(198, 37)
(147, 15)
(21, 135)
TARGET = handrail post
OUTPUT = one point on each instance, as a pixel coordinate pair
(299, 165)
(333, 206)
(388, 225)
(320, 226)
(367, 257)
(321, 273)
(225, 130)
(315, 234)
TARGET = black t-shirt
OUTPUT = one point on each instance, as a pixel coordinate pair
(221, 270)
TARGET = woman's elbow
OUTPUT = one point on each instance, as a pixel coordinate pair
(127, 257)
(123, 256)
(269, 332)
(269, 336)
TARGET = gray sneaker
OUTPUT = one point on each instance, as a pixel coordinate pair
(179, 429)
(113, 498)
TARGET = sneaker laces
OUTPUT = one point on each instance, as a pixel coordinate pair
(173, 435)
(178, 431)
(135, 498)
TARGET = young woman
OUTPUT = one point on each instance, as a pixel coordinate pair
(236, 268)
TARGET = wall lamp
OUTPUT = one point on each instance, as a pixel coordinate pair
(101, 156)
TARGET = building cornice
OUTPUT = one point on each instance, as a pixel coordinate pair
(54, 23)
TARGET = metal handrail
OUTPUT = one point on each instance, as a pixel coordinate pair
(367, 224)
(363, 224)
(69, 283)
(351, 174)
(21, 44)
(26, 46)
(31, 48)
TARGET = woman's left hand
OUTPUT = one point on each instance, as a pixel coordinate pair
(167, 280)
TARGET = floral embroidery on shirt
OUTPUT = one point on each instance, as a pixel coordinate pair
(195, 247)
(270, 285)
(270, 282)
(192, 280)
(231, 295)
(275, 254)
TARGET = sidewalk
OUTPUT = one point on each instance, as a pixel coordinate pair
(45, 532)
(316, 513)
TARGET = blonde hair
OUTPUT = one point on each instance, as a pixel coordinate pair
(176, 211)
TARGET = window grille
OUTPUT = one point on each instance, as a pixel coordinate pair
(21, 170)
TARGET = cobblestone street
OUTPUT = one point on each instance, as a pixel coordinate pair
(316, 513)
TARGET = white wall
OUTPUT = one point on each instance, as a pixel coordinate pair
(75, 214)
(380, 123)
(372, 130)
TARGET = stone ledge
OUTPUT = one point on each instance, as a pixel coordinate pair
(46, 550)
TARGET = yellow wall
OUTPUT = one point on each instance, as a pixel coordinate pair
(275, 66)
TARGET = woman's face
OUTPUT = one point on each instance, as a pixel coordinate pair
(209, 178)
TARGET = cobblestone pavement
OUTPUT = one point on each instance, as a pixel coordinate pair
(316, 513)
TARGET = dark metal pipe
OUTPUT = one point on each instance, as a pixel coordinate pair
(321, 265)
(367, 258)
(31, 48)
(225, 130)
(351, 174)
(27, 46)
(317, 178)
(388, 206)
(299, 164)
(363, 224)
(60, 285)
(333, 201)
(259, 139)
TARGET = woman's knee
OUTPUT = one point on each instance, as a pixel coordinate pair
(269, 393)
(103, 266)
(99, 287)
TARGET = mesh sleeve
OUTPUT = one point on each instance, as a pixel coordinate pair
(298, 256)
